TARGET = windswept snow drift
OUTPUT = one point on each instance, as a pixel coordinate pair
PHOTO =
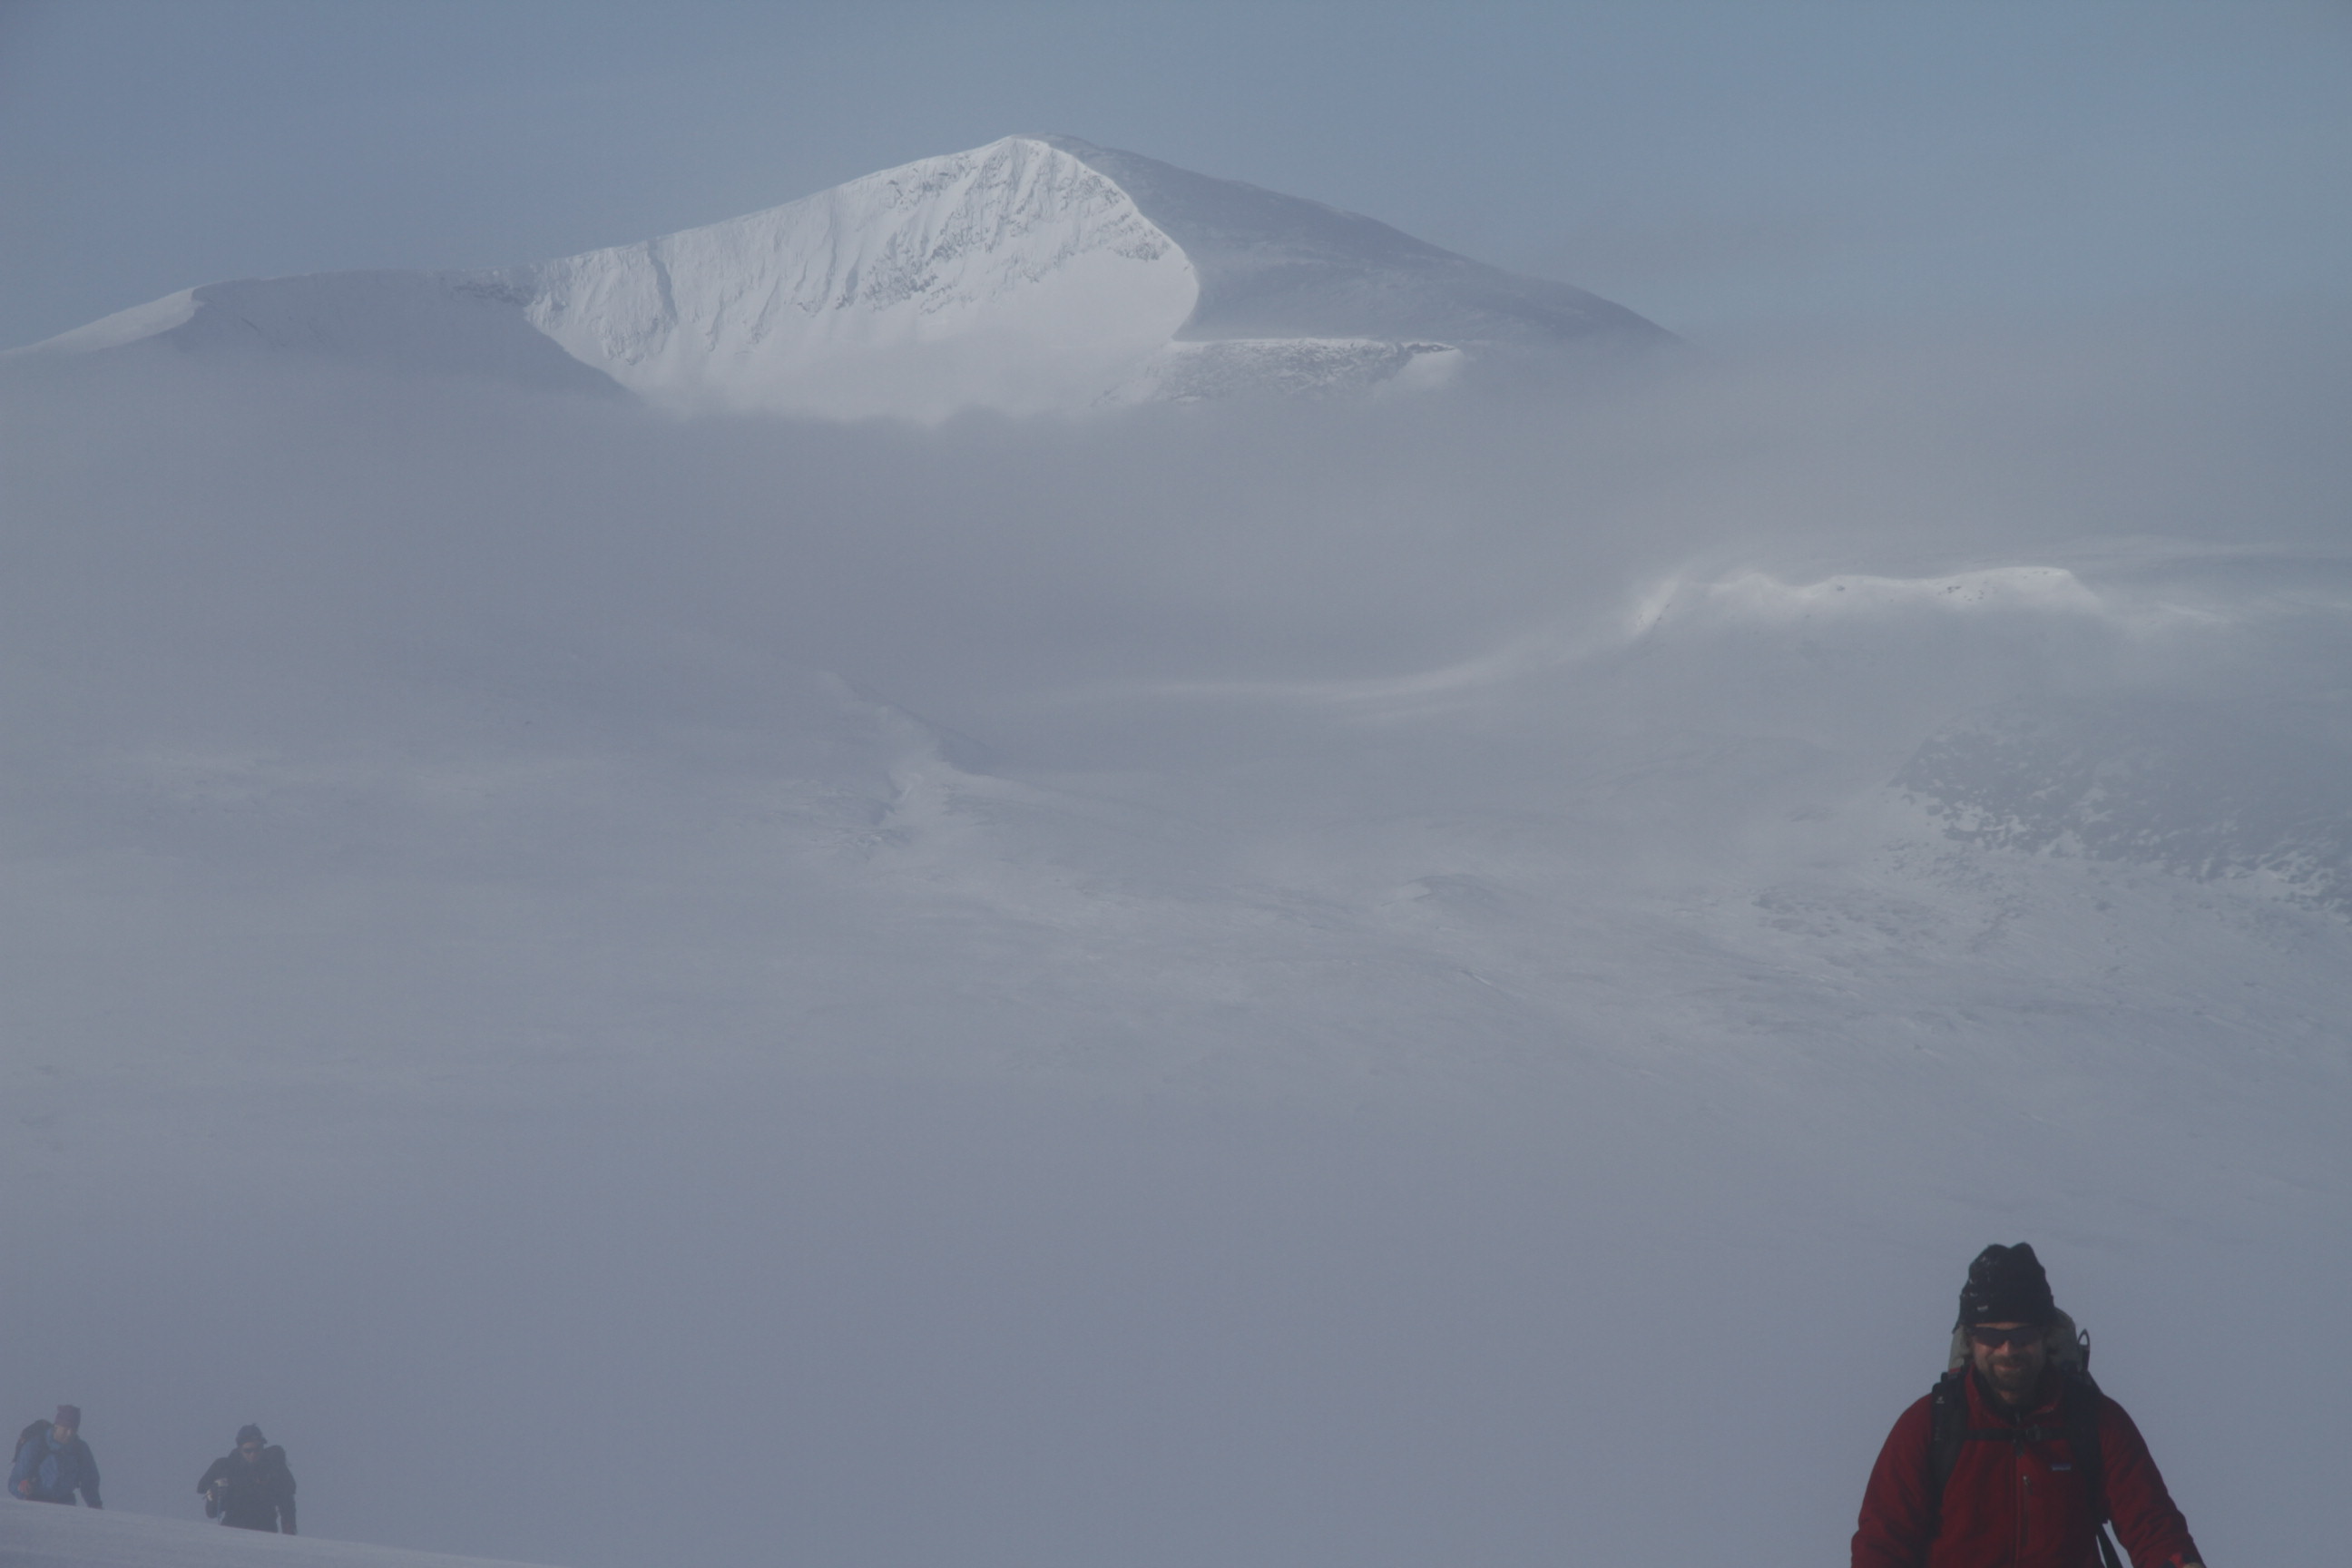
(1030, 276)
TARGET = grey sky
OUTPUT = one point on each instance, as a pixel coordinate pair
(1721, 168)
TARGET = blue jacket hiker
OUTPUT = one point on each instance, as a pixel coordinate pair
(52, 1466)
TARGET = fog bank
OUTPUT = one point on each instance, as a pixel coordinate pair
(1237, 984)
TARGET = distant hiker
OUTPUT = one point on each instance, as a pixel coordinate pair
(53, 1465)
(251, 1488)
(2015, 1457)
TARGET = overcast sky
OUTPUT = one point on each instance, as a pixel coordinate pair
(1721, 168)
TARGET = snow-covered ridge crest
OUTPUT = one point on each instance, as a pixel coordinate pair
(1760, 598)
(1011, 276)
(123, 327)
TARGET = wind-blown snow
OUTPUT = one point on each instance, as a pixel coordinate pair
(1759, 596)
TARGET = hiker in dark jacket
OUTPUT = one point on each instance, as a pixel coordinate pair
(250, 1486)
(2015, 1496)
(52, 1466)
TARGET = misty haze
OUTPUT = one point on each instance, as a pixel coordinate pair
(1045, 861)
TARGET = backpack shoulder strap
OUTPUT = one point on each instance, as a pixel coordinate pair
(1948, 1428)
(2082, 1423)
(2080, 1418)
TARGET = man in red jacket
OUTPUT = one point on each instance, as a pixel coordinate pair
(2017, 1494)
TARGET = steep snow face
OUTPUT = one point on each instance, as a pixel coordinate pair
(1012, 277)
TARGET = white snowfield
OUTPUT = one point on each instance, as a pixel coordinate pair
(46, 1535)
(1034, 275)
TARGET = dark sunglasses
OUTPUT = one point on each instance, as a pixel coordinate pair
(1994, 1339)
(248, 1447)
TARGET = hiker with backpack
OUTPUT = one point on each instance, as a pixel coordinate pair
(2015, 1459)
(251, 1488)
(53, 1463)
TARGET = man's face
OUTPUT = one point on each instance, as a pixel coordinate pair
(61, 1433)
(2011, 1356)
(250, 1452)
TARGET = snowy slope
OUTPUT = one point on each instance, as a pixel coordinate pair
(42, 1535)
(1276, 267)
(441, 324)
(1028, 276)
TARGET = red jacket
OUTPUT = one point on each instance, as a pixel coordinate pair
(2011, 1505)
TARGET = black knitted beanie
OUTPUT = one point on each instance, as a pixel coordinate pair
(2006, 1285)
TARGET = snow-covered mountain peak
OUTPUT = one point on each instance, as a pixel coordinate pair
(1036, 274)
(1013, 276)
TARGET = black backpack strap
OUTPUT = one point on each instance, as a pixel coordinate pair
(1948, 1428)
(2080, 1414)
(2082, 1417)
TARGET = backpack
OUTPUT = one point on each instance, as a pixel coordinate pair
(2078, 1421)
(270, 1484)
(37, 1429)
